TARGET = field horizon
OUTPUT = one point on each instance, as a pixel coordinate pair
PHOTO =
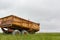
(37, 36)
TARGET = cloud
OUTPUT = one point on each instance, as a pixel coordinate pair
(45, 12)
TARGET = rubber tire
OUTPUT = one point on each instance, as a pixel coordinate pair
(15, 32)
(24, 32)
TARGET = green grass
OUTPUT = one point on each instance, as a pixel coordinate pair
(40, 36)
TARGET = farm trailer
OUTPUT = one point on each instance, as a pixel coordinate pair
(14, 24)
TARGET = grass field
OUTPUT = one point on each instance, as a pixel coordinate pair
(40, 36)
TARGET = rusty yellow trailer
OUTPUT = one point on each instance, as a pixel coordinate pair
(16, 23)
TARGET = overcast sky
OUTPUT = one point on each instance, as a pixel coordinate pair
(45, 12)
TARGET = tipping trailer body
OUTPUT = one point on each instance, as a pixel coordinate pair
(18, 23)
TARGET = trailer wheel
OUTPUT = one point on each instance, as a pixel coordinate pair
(16, 32)
(24, 32)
